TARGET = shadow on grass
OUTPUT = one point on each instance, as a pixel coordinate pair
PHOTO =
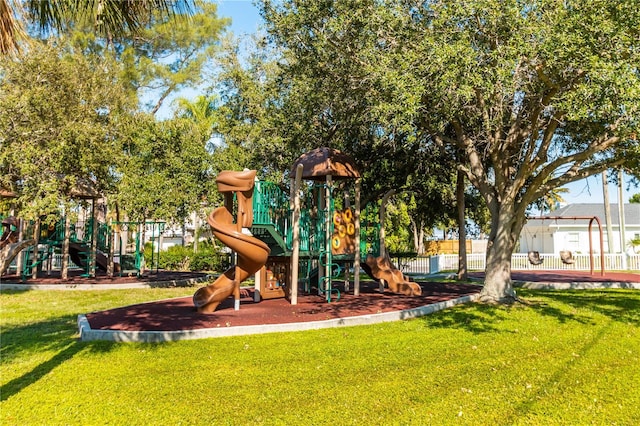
(616, 304)
(55, 335)
(474, 317)
(563, 305)
(563, 372)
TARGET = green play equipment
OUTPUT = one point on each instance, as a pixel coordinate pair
(128, 237)
(308, 234)
(86, 248)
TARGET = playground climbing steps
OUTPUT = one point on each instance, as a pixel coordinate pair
(51, 239)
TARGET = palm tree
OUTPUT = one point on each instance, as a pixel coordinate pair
(201, 110)
(551, 200)
(108, 17)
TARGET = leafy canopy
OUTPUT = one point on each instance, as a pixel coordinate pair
(61, 123)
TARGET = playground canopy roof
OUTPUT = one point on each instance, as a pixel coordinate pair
(83, 188)
(11, 220)
(5, 193)
(321, 162)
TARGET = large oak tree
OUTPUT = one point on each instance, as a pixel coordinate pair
(531, 95)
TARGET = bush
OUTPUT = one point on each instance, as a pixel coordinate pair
(208, 258)
(179, 258)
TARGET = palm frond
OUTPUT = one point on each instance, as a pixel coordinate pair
(108, 17)
(11, 29)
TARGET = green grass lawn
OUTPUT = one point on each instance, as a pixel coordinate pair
(569, 357)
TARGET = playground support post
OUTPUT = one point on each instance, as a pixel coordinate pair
(94, 240)
(244, 219)
(356, 261)
(321, 208)
(111, 236)
(65, 246)
(601, 246)
(36, 252)
(20, 259)
(295, 255)
(327, 237)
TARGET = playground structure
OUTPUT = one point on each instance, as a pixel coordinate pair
(91, 245)
(566, 256)
(307, 237)
(9, 231)
(303, 241)
(43, 252)
(10, 244)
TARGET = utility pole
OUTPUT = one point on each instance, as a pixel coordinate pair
(607, 211)
(622, 224)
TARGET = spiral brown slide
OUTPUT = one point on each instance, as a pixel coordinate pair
(252, 253)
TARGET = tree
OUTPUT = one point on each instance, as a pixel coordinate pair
(277, 115)
(61, 119)
(108, 18)
(161, 59)
(550, 200)
(60, 127)
(201, 111)
(169, 55)
(534, 94)
(11, 30)
(165, 173)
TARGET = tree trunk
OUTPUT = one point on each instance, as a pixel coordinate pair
(498, 287)
(196, 231)
(462, 232)
(416, 235)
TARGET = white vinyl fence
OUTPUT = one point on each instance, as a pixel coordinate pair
(519, 261)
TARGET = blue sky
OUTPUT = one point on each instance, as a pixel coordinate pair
(246, 20)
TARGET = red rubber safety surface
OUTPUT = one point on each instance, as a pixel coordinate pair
(180, 314)
(568, 276)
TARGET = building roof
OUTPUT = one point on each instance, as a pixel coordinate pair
(631, 212)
